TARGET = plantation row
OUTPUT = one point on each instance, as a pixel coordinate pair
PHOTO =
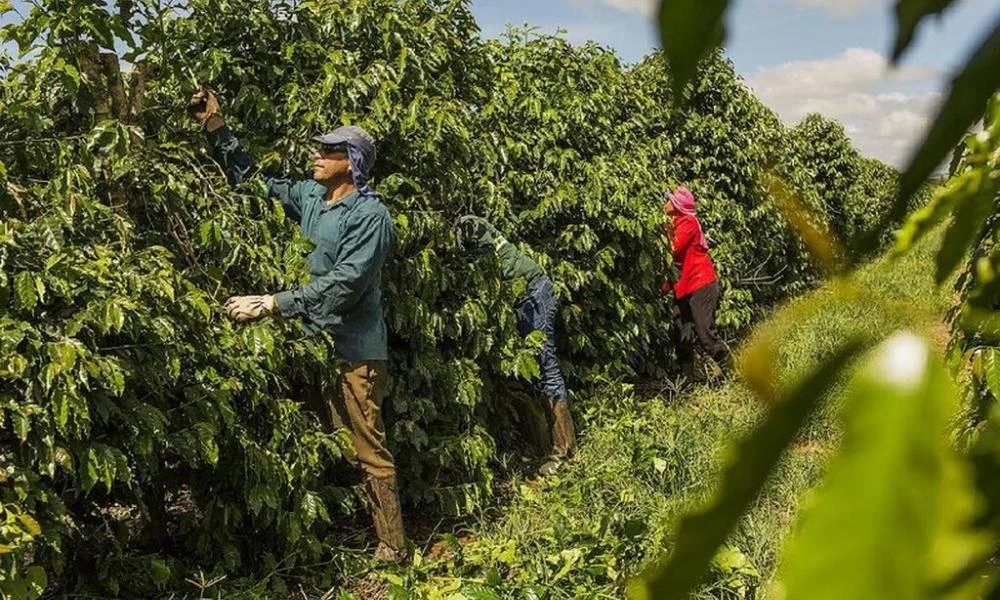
(971, 197)
(143, 433)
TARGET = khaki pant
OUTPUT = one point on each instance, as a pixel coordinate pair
(355, 404)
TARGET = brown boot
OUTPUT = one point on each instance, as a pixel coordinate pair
(563, 436)
(384, 499)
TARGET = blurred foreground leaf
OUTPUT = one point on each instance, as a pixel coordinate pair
(897, 504)
(689, 30)
(909, 14)
(969, 95)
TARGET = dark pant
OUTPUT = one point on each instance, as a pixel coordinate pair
(536, 311)
(697, 323)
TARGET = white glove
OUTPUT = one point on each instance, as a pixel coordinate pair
(248, 308)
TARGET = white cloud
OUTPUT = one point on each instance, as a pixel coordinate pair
(642, 7)
(850, 88)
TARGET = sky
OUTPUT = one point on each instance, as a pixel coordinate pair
(799, 56)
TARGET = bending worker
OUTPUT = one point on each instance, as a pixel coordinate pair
(536, 311)
(696, 291)
(353, 233)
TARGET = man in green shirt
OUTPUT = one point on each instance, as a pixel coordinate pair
(536, 311)
(353, 233)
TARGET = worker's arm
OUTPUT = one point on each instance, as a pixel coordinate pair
(365, 246)
(240, 166)
(236, 161)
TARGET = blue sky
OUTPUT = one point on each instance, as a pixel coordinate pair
(799, 56)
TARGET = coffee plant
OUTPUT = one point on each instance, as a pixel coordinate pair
(145, 436)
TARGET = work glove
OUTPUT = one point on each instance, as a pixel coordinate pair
(204, 108)
(248, 308)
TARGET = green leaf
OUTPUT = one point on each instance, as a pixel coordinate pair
(689, 30)
(62, 354)
(964, 229)
(71, 76)
(896, 504)
(992, 115)
(259, 340)
(60, 409)
(61, 457)
(5, 6)
(196, 300)
(112, 317)
(24, 288)
(477, 591)
(991, 370)
(160, 571)
(99, 27)
(121, 30)
(922, 221)
(206, 232)
(37, 581)
(22, 425)
(90, 474)
(48, 236)
(112, 376)
(527, 367)
(970, 92)
(701, 534)
(207, 447)
(40, 289)
(31, 526)
(309, 508)
(109, 467)
(909, 13)
(15, 366)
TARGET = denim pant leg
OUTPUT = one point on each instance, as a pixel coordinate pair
(537, 312)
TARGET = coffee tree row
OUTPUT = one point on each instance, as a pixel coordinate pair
(143, 434)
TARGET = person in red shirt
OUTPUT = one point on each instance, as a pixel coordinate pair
(696, 290)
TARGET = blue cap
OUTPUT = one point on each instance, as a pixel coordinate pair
(361, 150)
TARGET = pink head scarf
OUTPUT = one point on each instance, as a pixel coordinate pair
(683, 201)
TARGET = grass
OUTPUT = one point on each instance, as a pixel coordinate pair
(645, 461)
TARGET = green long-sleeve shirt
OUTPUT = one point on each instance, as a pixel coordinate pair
(352, 239)
(476, 234)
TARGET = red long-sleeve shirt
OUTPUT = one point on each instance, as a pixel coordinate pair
(693, 261)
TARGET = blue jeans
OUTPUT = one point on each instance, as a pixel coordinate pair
(536, 311)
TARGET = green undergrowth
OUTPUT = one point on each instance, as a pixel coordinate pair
(646, 460)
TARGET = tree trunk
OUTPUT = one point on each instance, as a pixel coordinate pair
(137, 92)
(113, 74)
(93, 95)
